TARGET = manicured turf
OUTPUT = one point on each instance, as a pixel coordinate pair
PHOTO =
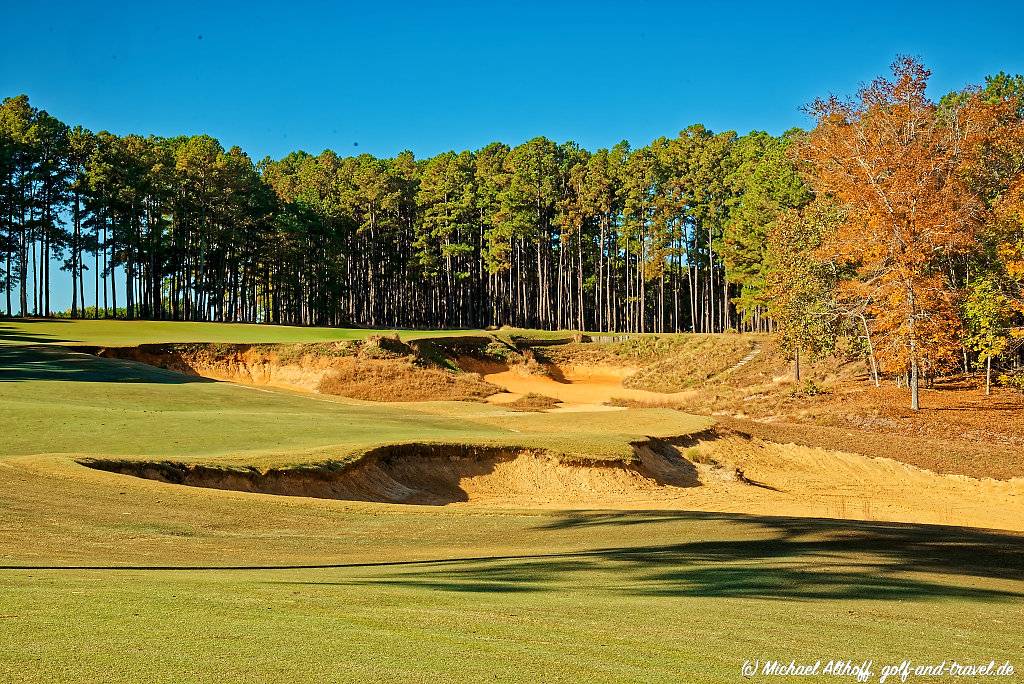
(113, 333)
(117, 579)
(434, 595)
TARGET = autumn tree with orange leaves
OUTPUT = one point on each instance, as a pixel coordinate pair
(899, 165)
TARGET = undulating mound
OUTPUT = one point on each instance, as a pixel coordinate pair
(376, 369)
(531, 402)
(402, 380)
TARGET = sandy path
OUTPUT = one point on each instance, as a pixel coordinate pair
(575, 387)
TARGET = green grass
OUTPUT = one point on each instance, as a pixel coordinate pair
(111, 578)
(427, 595)
(114, 333)
(61, 402)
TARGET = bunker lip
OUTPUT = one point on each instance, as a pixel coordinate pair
(439, 474)
(718, 469)
(359, 369)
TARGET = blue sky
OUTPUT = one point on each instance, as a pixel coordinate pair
(273, 77)
(387, 76)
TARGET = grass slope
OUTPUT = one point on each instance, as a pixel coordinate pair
(111, 578)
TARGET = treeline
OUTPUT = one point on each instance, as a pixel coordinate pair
(894, 227)
(668, 237)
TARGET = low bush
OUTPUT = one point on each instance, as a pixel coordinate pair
(499, 351)
(532, 402)
(89, 312)
(809, 388)
(293, 353)
(1013, 381)
(384, 347)
(647, 347)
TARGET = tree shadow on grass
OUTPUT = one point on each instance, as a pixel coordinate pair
(756, 557)
(10, 334)
(20, 363)
(726, 556)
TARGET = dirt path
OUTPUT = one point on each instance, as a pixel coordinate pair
(751, 355)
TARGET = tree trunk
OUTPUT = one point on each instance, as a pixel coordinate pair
(914, 379)
(915, 391)
(871, 352)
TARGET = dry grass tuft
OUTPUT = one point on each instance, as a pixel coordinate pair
(399, 381)
(295, 353)
(532, 402)
(677, 367)
(532, 365)
(384, 347)
(647, 403)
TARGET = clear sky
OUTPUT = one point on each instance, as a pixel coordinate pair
(432, 76)
(381, 77)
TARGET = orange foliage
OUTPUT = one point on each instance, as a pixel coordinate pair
(899, 166)
(1010, 211)
(996, 168)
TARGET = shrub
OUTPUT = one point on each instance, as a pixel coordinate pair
(291, 353)
(385, 347)
(533, 363)
(499, 351)
(809, 389)
(1012, 381)
(694, 455)
(90, 312)
(647, 346)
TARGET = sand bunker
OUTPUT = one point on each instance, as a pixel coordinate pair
(721, 471)
(342, 369)
(241, 364)
(440, 474)
(576, 386)
(787, 479)
(714, 472)
(359, 370)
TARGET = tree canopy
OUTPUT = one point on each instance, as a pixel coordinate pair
(658, 238)
(895, 221)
